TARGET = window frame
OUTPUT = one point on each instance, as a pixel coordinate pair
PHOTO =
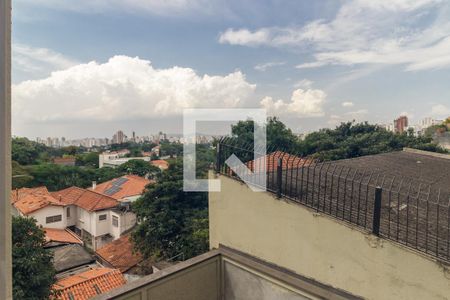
(115, 219)
(52, 219)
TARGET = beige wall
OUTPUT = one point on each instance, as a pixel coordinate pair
(291, 236)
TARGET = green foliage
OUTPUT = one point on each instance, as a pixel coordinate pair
(276, 132)
(171, 149)
(57, 177)
(352, 140)
(173, 221)
(33, 271)
(345, 141)
(139, 167)
(89, 159)
(27, 152)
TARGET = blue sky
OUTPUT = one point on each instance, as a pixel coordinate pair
(87, 68)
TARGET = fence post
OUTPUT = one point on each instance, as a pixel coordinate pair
(279, 176)
(218, 158)
(377, 211)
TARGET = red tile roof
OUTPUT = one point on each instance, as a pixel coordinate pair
(64, 160)
(61, 235)
(86, 199)
(162, 164)
(28, 200)
(271, 161)
(21, 193)
(88, 284)
(119, 254)
(133, 186)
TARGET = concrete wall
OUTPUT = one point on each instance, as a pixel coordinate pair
(48, 211)
(198, 279)
(291, 236)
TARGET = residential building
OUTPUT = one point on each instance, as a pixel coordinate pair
(127, 188)
(95, 217)
(116, 158)
(120, 254)
(88, 284)
(401, 124)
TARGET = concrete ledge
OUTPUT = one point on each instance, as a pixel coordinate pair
(428, 153)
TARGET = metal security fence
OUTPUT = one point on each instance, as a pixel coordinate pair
(398, 208)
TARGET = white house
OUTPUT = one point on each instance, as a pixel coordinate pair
(95, 217)
(116, 158)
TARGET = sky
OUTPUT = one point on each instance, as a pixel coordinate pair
(88, 68)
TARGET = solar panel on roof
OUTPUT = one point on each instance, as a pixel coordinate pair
(112, 190)
(120, 181)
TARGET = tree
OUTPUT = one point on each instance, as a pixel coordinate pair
(33, 271)
(89, 159)
(27, 152)
(138, 167)
(172, 221)
(277, 133)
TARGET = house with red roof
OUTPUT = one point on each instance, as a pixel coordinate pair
(95, 217)
(127, 188)
(160, 163)
(88, 284)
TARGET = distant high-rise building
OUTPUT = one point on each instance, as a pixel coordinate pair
(119, 137)
(428, 122)
(401, 124)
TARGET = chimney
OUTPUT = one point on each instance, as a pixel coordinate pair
(60, 198)
(94, 185)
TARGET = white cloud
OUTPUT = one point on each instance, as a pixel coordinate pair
(440, 110)
(304, 83)
(415, 34)
(347, 104)
(38, 61)
(263, 67)
(303, 103)
(244, 37)
(124, 88)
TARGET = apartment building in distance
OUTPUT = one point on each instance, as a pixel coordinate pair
(96, 218)
(401, 124)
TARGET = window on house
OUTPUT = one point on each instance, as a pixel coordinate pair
(68, 212)
(53, 219)
(102, 217)
(115, 221)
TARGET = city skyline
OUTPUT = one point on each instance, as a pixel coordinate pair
(312, 63)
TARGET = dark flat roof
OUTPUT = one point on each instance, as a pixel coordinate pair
(70, 256)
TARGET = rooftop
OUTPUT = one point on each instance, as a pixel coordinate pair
(120, 254)
(28, 200)
(413, 187)
(69, 257)
(123, 187)
(61, 236)
(160, 163)
(86, 199)
(88, 284)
